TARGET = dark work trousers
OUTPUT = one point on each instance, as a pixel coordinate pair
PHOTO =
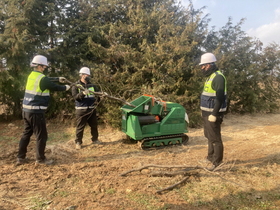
(212, 131)
(86, 116)
(33, 123)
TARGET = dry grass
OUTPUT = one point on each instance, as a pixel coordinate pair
(90, 178)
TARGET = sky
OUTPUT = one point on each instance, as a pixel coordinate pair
(262, 17)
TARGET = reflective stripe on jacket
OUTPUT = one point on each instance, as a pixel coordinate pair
(208, 96)
(35, 100)
(87, 102)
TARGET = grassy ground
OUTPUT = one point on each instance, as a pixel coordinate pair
(90, 178)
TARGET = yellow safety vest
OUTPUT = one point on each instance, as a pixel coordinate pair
(87, 102)
(208, 96)
(35, 100)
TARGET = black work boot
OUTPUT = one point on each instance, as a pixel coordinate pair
(96, 142)
(44, 162)
(20, 161)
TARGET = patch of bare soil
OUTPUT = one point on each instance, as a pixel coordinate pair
(90, 178)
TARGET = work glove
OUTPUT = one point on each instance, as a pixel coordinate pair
(86, 92)
(212, 118)
(62, 79)
(67, 87)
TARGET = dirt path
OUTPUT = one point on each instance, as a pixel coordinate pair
(90, 178)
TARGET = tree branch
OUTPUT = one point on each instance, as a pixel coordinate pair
(184, 172)
(186, 168)
(174, 185)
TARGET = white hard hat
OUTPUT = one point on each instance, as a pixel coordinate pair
(39, 60)
(84, 70)
(207, 58)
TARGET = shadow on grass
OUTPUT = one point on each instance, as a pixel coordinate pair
(246, 200)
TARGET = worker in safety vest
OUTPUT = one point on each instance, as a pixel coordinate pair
(35, 103)
(213, 105)
(85, 107)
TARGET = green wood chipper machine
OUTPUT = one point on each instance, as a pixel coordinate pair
(154, 123)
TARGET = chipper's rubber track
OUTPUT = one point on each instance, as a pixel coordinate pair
(161, 141)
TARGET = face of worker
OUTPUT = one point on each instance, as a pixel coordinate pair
(42, 68)
(86, 78)
(205, 69)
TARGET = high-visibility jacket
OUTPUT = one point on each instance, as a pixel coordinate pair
(35, 100)
(208, 96)
(87, 102)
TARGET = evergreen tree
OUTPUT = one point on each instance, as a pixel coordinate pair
(239, 58)
(24, 33)
(18, 34)
(150, 48)
(133, 48)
